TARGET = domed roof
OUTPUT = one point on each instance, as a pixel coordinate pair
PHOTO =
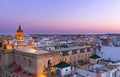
(19, 29)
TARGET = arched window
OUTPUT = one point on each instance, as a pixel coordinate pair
(49, 63)
(60, 60)
(24, 61)
(0, 57)
(18, 60)
(29, 63)
(0, 44)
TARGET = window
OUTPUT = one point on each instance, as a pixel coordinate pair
(49, 63)
(65, 59)
(82, 55)
(74, 62)
(70, 63)
(74, 57)
(70, 58)
(66, 69)
(30, 63)
(60, 60)
(4, 46)
(0, 44)
(24, 61)
(6, 75)
(0, 57)
(18, 60)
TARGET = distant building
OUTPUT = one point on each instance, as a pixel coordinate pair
(99, 68)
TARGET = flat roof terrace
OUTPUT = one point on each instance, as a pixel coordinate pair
(70, 48)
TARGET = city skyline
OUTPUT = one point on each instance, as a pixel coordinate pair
(60, 16)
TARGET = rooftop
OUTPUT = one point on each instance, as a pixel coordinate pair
(32, 50)
(111, 52)
(98, 68)
(71, 48)
(62, 65)
(94, 56)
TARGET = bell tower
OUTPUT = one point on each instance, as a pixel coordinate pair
(19, 34)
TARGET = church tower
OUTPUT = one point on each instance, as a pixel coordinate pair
(19, 34)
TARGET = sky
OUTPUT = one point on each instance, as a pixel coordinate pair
(60, 16)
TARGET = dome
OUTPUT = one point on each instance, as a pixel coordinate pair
(19, 34)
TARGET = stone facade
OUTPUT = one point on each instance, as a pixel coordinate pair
(39, 63)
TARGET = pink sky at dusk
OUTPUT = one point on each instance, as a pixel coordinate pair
(60, 16)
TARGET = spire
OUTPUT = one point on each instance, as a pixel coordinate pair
(19, 29)
(19, 25)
